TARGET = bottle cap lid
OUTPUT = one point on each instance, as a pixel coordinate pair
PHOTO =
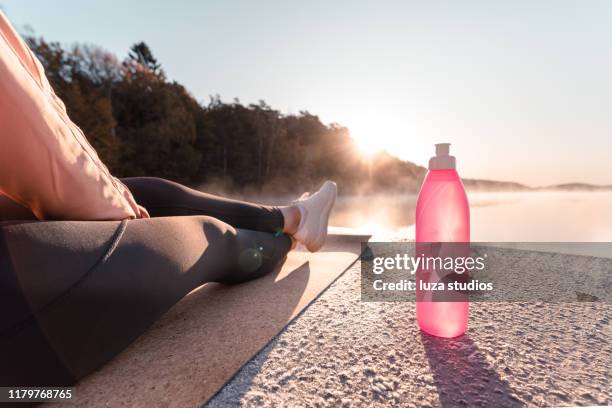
(442, 160)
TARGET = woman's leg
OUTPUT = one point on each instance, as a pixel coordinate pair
(11, 210)
(166, 198)
(84, 298)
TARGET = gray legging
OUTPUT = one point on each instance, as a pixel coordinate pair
(75, 293)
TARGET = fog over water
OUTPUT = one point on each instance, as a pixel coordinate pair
(503, 217)
(559, 216)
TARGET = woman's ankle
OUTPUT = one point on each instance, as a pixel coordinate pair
(291, 219)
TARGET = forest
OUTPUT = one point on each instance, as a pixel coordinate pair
(142, 123)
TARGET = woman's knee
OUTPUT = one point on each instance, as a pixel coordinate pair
(256, 254)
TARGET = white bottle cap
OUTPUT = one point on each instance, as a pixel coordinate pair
(442, 160)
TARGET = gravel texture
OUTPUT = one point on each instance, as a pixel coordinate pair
(345, 352)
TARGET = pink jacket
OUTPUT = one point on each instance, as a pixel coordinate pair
(46, 163)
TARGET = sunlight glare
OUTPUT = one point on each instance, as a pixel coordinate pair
(370, 138)
(367, 146)
(406, 139)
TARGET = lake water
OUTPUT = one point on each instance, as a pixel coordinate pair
(502, 217)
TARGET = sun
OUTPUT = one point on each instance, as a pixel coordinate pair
(370, 139)
(405, 139)
(367, 146)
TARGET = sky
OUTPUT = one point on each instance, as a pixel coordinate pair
(522, 89)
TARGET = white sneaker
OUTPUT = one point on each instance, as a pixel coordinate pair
(314, 211)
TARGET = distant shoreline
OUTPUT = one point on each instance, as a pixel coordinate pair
(508, 186)
(402, 187)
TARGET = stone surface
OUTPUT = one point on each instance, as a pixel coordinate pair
(344, 352)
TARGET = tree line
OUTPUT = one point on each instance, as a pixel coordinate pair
(143, 124)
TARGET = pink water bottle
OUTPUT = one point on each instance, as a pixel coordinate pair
(442, 215)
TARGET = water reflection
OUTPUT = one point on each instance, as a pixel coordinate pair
(387, 218)
(543, 216)
(537, 216)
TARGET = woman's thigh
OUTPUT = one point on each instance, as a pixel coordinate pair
(74, 294)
